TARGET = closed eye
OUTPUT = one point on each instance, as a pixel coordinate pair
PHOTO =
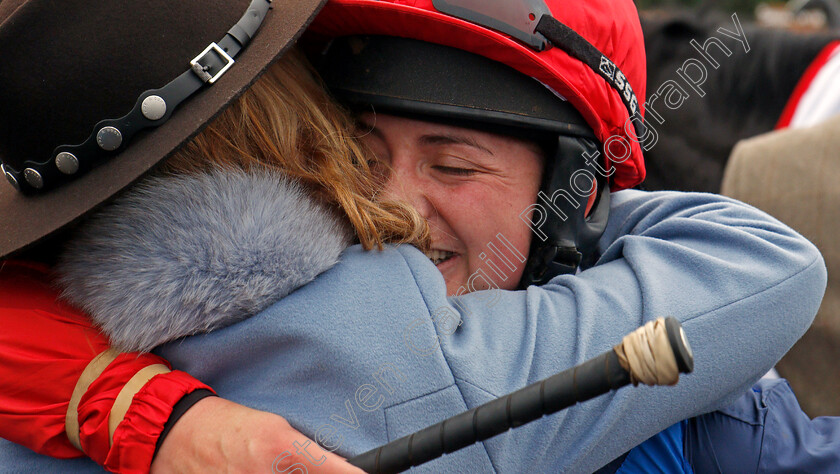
(455, 171)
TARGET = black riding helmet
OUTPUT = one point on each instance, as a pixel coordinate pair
(426, 81)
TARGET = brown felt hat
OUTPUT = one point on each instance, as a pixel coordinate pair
(77, 120)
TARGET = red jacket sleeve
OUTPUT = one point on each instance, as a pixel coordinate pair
(45, 344)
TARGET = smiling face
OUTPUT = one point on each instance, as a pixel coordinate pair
(471, 186)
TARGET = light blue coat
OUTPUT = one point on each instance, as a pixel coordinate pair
(352, 358)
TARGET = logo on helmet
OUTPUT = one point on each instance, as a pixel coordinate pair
(607, 67)
(620, 82)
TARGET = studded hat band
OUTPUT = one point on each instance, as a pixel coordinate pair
(152, 109)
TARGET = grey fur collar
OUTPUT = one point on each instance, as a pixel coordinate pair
(183, 255)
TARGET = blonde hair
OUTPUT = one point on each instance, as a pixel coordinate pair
(286, 121)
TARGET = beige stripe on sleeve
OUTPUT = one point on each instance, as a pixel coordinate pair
(127, 393)
(93, 370)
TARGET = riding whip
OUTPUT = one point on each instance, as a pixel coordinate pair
(654, 354)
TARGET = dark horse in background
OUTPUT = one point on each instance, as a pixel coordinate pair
(744, 96)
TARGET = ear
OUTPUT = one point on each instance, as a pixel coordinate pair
(593, 194)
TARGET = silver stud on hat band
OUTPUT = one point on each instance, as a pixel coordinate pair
(111, 135)
(67, 162)
(34, 178)
(153, 107)
(109, 138)
(12, 180)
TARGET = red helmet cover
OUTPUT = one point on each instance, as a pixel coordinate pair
(612, 26)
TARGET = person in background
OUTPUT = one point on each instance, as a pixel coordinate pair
(572, 308)
(791, 174)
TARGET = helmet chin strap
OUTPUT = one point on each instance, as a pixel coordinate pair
(562, 232)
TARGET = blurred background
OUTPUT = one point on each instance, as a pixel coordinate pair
(740, 6)
(723, 73)
(808, 14)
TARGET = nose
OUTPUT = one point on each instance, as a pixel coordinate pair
(407, 184)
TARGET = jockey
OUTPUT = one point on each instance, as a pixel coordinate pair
(577, 93)
(387, 58)
(580, 69)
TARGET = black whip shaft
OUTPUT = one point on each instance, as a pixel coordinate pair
(515, 409)
(583, 382)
